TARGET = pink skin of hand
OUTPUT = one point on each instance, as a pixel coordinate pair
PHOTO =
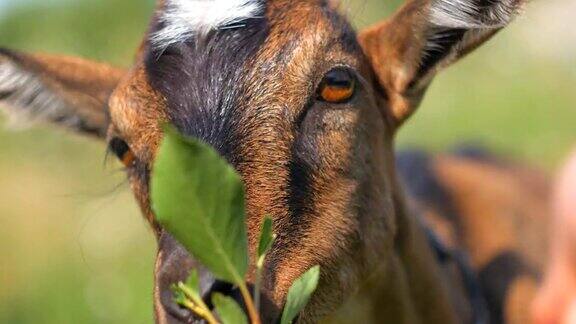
(556, 301)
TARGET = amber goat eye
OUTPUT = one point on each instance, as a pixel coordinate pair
(121, 149)
(338, 86)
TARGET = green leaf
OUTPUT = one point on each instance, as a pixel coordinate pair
(299, 294)
(266, 240)
(229, 311)
(199, 198)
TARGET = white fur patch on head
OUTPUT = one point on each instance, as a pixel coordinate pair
(471, 14)
(186, 18)
(27, 99)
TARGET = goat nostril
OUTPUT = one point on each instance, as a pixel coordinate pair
(174, 310)
(180, 313)
(225, 289)
(184, 315)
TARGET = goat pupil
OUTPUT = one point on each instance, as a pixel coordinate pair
(119, 148)
(339, 78)
(338, 86)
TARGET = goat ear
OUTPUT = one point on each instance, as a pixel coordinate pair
(67, 91)
(425, 36)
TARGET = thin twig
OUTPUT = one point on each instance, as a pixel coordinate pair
(207, 315)
(199, 307)
(252, 312)
(257, 286)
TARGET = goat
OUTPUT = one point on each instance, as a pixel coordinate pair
(306, 110)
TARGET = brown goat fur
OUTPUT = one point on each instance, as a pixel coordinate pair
(325, 171)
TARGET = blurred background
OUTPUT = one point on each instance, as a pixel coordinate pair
(73, 246)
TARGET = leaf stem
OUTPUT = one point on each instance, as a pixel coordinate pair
(252, 312)
(198, 310)
(197, 305)
(257, 285)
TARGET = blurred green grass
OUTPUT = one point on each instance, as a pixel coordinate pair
(74, 246)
